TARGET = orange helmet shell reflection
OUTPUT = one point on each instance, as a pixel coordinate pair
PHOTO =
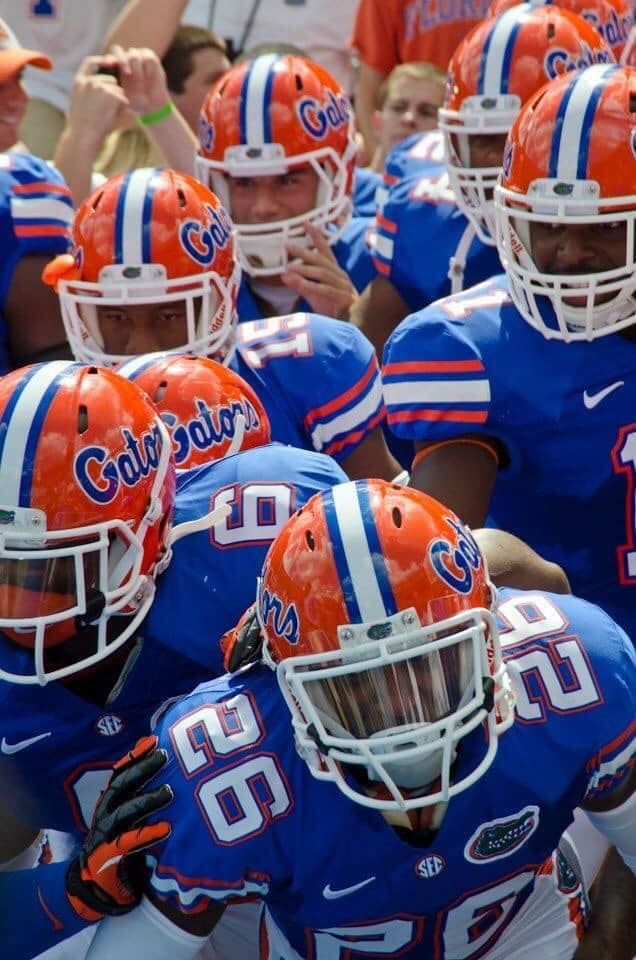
(199, 400)
(297, 104)
(542, 43)
(153, 217)
(606, 145)
(611, 18)
(416, 554)
(92, 445)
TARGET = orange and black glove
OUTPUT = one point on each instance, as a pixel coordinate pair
(107, 878)
(243, 643)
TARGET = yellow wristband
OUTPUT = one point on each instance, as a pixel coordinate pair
(156, 116)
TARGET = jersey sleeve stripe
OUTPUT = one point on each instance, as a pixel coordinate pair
(458, 416)
(354, 418)
(190, 892)
(383, 268)
(606, 776)
(41, 208)
(615, 744)
(414, 392)
(432, 366)
(340, 402)
(353, 439)
(389, 225)
(43, 188)
(41, 231)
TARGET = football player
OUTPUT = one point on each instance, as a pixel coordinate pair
(398, 820)
(92, 639)
(153, 269)
(277, 146)
(525, 383)
(434, 233)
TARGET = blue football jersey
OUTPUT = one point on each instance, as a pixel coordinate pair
(212, 576)
(351, 250)
(249, 819)
(563, 411)
(36, 212)
(418, 230)
(415, 156)
(57, 750)
(365, 185)
(318, 379)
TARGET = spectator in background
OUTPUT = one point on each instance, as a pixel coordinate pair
(35, 214)
(116, 92)
(409, 99)
(195, 60)
(389, 32)
(321, 26)
(408, 103)
(14, 98)
(67, 31)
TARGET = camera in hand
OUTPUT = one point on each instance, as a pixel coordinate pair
(110, 70)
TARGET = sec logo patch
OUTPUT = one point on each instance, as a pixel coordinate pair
(430, 866)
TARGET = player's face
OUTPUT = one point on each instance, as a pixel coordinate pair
(13, 103)
(256, 200)
(410, 107)
(421, 689)
(133, 329)
(486, 150)
(207, 66)
(578, 249)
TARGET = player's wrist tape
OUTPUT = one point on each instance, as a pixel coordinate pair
(156, 116)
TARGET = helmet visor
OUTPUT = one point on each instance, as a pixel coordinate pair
(418, 687)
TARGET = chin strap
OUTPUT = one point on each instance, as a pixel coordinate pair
(200, 523)
(239, 433)
(457, 263)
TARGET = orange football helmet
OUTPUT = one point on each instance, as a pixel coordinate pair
(570, 161)
(628, 56)
(211, 411)
(151, 236)
(613, 19)
(87, 488)
(375, 606)
(494, 70)
(265, 117)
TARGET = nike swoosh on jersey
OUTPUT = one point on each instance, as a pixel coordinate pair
(10, 748)
(592, 400)
(330, 894)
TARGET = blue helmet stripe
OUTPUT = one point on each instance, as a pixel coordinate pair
(119, 219)
(375, 549)
(35, 430)
(340, 559)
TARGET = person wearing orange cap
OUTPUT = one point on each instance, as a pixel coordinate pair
(35, 214)
(13, 96)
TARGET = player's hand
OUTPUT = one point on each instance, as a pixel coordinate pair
(317, 276)
(243, 643)
(108, 875)
(142, 78)
(98, 103)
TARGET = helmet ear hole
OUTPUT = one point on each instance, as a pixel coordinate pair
(160, 392)
(396, 516)
(311, 543)
(82, 419)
